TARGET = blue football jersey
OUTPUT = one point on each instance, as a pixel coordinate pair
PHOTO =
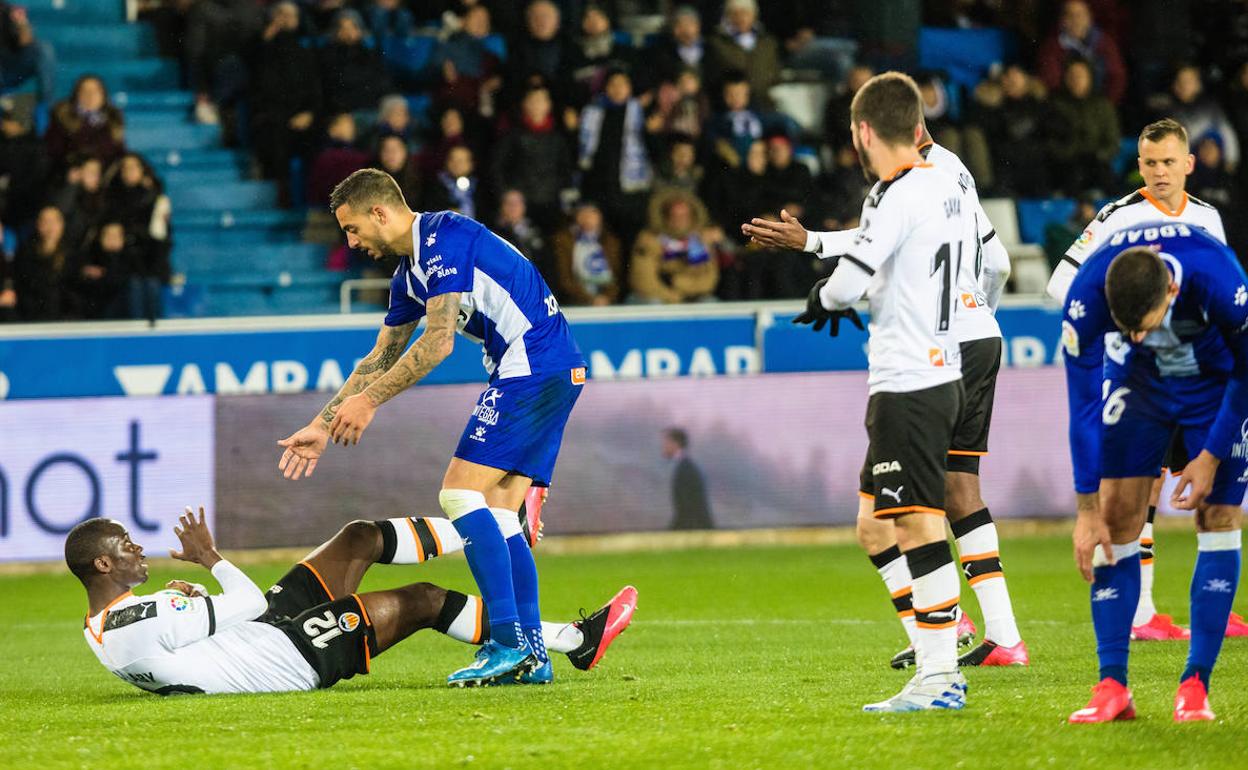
(504, 303)
(1203, 336)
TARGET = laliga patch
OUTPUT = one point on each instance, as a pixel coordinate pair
(181, 604)
(1070, 339)
(348, 621)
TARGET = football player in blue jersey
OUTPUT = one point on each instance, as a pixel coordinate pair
(1155, 336)
(462, 278)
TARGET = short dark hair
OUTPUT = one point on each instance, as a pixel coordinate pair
(85, 542)
(366, 188)
(1155, 132)
(678, 437)
(1135, 285)
(890, 103)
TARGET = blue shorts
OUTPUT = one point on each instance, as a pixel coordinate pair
(1139, 418)
(517, 424)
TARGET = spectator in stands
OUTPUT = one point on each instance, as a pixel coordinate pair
(8, 279)
(450, 134)
(352, 74)
(515, 227)
(587, 260)
(388, 19)
(732, 131)
(96, 276)
(215, 36)
(597, 54)
(145, 271)
(1077, 37)
(841, 189)
(741, 44)
(615, 155)
(679, 107)
(41, 269)
(1199, 113)
(680, 169)
(1085, 136)
(22, 57)
(535, 158)
(469, 70)
(836, 114)
(1058, 236)
(83, 201)
(86, 123)
(543, 49)
(393, 158)
(338, 158)
(676, 259)
(23, 169)
(394, 118)
(1012, 114)
(965, 141)
(455, 186)
(1210, 180)
(132, 193)
(285, 99)
(682, 48)
(737, 195)
(789, 184)
(137, 200)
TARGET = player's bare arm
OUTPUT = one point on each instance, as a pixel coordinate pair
(431, 349)
(305, 446)
(1090, 532)
(788, 233)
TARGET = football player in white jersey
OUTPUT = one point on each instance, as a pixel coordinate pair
(905, 260)
(1165, 161)
(309, 631)
(981, 281)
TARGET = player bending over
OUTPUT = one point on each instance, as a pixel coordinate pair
(1165, 161)
(310, 630)
(460, 277)
(1155, 339)
(903, 260)
(981, 280)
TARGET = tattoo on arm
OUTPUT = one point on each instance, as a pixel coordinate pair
(390, 343)
(432, 347)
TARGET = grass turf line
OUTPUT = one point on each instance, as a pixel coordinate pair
(736, 658)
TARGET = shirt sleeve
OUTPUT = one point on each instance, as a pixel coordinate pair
(403, 309)
(830, 243)
(1084, 246)
(1085, 321)
(1225, 298)
(995, 267)
(189, 619)
(450, 264)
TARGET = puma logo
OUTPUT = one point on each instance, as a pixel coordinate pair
(896, 495)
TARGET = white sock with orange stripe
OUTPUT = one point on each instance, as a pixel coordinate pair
(935, 607)
(1145, 610)
(979, 547)
(463, 617)
(411, 540)
(896, 576)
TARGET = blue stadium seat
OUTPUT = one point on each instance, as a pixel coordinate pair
(167, 160)
(222, 197)
(1035, 214)
(409, 56)
(964, 54)
(100, 42)
(45, 13)
(198, 261)
(120, 75)
(150, 137)
(1128, 151)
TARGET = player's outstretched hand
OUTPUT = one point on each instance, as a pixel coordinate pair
(788, 233)
(1197, 480)
(1091, 532)
(352, 417)
(303, 449)
(196, 539)
(820, 316)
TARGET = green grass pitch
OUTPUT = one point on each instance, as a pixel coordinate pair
(755, 657)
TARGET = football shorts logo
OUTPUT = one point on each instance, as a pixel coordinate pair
(893, 493)
(348, 621)
(490, 397)
(888, 466)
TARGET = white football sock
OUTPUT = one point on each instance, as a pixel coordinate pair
(981, 562)
(418, 539)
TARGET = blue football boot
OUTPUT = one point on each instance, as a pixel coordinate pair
(495, 661)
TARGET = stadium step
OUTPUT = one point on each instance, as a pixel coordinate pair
(49, 13)
(188, 177)
(149, 138)
(101, 41)
(243, 239)
(246, 194)
(141, 101)
(264, 259)
(216, 157)
(122, 75)
(237, 218)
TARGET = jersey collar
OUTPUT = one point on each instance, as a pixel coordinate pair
(904, 168)
(1161, 206)
(99, 638)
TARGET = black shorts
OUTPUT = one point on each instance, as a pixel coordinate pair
(1176, 455)
(909, 435)
(335, 636)
(981, 362)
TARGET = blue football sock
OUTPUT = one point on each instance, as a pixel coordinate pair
(490, 563)
(1213, 590)
(524, 581)
(1115, 593)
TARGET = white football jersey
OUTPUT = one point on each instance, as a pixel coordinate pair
(912, 234)
(170, 643)
(1127, 212)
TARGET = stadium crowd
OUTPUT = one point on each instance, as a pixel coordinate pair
(620, 162)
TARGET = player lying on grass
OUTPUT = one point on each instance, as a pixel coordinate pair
(310, 630)
(1154, 336)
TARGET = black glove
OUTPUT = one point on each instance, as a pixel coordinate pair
(818, 315)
